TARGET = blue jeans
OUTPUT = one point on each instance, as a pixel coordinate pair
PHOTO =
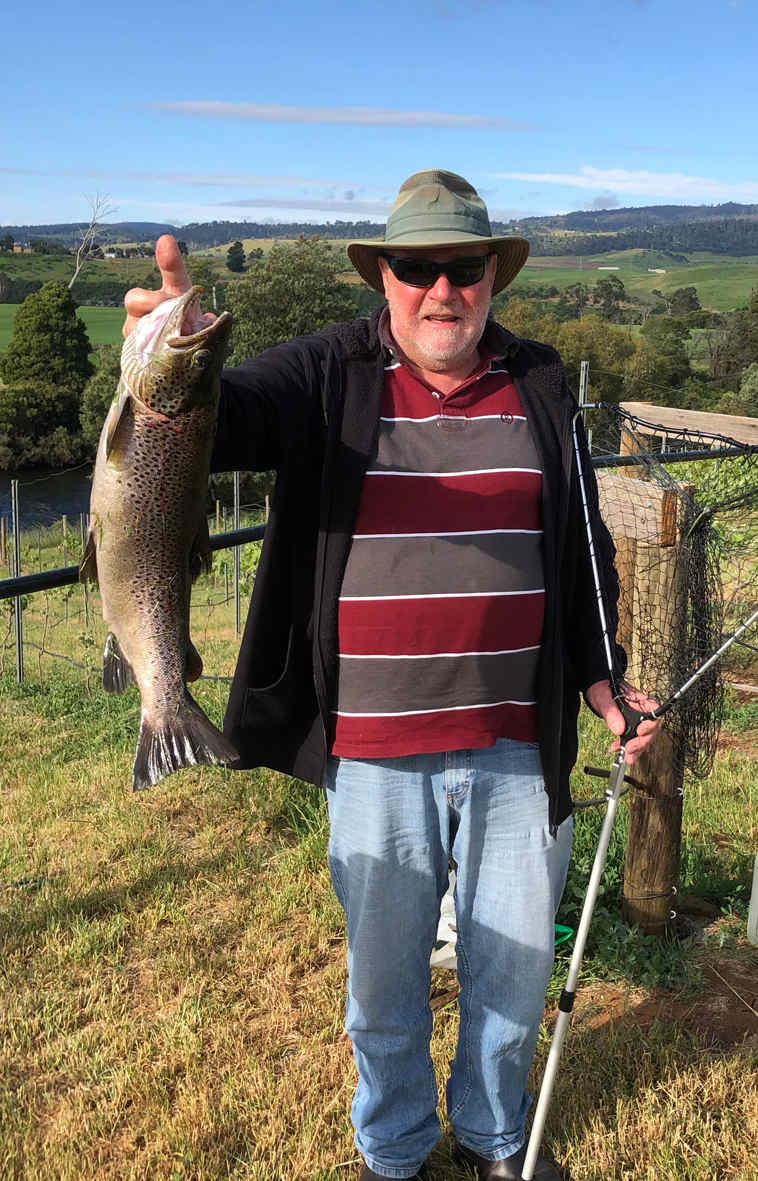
(394, 825)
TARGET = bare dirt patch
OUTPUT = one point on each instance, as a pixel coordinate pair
(724, 1014)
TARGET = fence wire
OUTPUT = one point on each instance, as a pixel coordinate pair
(62, 625)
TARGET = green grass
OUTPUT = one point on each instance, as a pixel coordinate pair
(172, 963)
(103, 324)
(722, 283)
(173, 970)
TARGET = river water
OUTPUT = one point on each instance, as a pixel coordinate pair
(44, 496)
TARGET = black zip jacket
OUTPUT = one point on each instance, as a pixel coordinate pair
(310, 409)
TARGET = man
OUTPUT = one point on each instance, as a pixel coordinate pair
(422, 623)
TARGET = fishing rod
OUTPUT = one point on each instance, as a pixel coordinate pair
(633, 718)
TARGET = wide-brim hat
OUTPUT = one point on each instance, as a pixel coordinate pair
(437, 208)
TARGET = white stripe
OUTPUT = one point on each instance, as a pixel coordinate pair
(447, 595)
(469, 418)
(481, 471)
(458, 533)
(437, 655)
(449, 709)
(395, 365)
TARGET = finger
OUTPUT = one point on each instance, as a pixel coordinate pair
(139, 302)
(614, 719)
(171, 264)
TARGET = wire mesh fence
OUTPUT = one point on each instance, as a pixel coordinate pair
(713, 481)
(48, 619)
(682, 508)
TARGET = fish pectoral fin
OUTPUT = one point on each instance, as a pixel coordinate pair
(88, 564)
(193, 664)
(117, 671)
(201, 556)
(119, 420)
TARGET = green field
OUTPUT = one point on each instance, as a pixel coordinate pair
(722, 283)
(103, 324)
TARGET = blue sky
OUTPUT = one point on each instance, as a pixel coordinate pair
(303, 111)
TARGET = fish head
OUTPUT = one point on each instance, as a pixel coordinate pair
(172, 360)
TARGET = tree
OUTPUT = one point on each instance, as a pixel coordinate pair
(609, 292)
(49, 344)
(98, 395)
(296, 290)
(668, 335)
(578, 295)
(7, 243)
(235, 257)
(38, 426)
(666, 300)
(100, 207)
(607, 349)
(182, 247)
(683, 300)
(746, 401)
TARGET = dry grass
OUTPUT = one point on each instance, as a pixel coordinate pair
(172, 964)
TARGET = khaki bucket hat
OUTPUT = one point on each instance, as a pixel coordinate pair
(437, 208)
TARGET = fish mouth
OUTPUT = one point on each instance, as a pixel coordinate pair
(190, 324)
(178, 324)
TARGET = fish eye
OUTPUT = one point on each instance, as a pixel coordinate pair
(201, 358)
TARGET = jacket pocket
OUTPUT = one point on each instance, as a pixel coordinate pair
(271, 705)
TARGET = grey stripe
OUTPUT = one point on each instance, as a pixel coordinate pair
(486, 443)
(393, 686)
(443, 565)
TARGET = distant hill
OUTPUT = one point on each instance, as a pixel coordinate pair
(69, 233)
(643, 217)
(678, 230)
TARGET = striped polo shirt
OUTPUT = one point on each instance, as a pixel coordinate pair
(441, 607)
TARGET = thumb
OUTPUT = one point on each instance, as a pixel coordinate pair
(170, 262)
(614, 720)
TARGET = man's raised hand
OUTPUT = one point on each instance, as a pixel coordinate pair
(175, 281)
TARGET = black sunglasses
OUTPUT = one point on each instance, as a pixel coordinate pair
(424, 272)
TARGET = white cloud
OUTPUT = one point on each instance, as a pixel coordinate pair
(676, 186)
(356, 116)
(324, 205)
(221, 179)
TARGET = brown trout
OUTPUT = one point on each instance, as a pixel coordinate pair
(148, 533)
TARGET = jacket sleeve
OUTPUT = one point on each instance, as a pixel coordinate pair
(589, 643)
(267, 404)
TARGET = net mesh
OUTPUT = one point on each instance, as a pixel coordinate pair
(685, 527)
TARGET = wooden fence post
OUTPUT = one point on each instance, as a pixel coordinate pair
(644, 521)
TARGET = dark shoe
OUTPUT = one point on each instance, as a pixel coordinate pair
(508, 1169)
(369, 1175)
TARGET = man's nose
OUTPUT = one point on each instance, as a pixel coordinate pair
(442, 289)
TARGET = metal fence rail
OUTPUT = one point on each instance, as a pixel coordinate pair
(26, 584)
(21, 585)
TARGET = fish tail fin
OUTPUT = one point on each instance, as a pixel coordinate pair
(186, 739)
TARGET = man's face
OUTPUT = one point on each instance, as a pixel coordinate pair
(438, 328)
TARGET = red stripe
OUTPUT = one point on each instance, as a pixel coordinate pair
(449, 504)
(405, 396)
(411, 627)
(364, 738)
